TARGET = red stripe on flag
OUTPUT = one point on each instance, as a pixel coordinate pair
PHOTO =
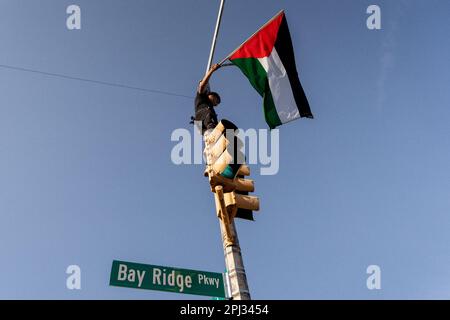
(261, 44)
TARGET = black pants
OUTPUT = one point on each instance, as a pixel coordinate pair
(208, 118)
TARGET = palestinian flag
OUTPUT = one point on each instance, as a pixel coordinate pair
(267, 59)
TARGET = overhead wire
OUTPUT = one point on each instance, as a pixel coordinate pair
(105, 83)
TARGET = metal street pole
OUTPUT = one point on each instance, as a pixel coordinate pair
(235, 266)
(231, 248)
(230, 243)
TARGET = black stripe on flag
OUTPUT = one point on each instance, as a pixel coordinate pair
(285, 50)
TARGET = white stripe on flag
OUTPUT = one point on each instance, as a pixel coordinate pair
(280, 87)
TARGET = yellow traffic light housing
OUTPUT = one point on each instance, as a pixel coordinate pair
(223, 151)
(243, 205)
(226, 171)
(235, 201)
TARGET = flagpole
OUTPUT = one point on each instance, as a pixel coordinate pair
(273, 18)
(216, 33)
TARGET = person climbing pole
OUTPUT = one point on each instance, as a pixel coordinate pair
(205, 102)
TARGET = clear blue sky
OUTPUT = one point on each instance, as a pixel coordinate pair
(85, 169)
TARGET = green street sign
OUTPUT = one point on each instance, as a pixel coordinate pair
(144, 276)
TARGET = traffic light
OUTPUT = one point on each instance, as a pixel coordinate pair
(224, 154)
(226, 168)
(239, 204)
(225, 150)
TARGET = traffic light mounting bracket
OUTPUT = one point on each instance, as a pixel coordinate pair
(224, 216)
